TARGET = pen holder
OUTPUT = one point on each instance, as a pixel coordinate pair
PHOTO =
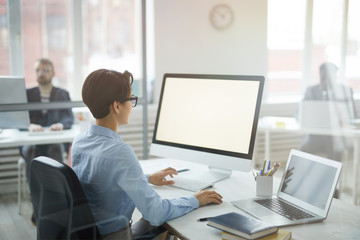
(264, 186)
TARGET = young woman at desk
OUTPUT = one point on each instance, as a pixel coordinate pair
(110, 173)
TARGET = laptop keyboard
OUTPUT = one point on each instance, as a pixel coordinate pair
(284, 209)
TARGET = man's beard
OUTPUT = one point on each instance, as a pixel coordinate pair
(43, 81)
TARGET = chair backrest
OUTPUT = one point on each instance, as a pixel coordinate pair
(61, 208)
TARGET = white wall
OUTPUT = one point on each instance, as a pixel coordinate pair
(185, 41)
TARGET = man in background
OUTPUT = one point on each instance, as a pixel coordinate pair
(329, 90)
(54, 119)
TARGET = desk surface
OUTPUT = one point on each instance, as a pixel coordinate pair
(14, 137)
(343, 221)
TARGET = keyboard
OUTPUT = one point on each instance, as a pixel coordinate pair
(284, 209)
(189, 184)
(46, 132)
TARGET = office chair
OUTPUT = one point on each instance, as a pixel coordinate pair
(61, 208)
(60, 205)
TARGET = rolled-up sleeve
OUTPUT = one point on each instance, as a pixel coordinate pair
(153, 208)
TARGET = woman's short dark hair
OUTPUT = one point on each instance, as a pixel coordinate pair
(102, 87)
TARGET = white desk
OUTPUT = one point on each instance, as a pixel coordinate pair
(289, 125)
(343, 221)
(14, 137)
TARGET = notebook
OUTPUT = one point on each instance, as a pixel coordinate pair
(304, 195)
(325, 114)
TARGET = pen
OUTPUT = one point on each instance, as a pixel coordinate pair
(202, 219)
(276, 167)
(263, 169)
(183, 170)
(273, 170)
(268, 168)
(253, 173)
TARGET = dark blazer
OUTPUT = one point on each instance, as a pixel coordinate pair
(64, 116)
(340, 93)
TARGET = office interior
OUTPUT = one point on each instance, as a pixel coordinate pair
(285, 41)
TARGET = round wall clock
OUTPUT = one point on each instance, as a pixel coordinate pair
(221, 16)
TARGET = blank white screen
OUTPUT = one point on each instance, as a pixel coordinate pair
(210, 113)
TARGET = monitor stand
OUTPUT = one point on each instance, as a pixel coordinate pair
(217, 174)
(211, 175)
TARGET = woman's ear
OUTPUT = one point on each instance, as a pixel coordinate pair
(115, 106)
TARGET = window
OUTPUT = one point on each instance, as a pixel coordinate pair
(4, 40)
(353, 46)
(47, 33)
(112, 37)
(294, 60)
(57, 32)
(286, 21)
(326, 35)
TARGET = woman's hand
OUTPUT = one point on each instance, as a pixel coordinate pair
(158, 178)
(206, 197)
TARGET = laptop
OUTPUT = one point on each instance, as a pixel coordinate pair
(304, 195)
(325, 114)
(13, 91)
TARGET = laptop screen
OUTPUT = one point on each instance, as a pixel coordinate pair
(309, 181)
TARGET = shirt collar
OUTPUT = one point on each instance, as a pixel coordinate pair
(104, 131)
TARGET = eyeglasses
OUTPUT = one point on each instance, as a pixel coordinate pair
(43, 70)
(133, 99)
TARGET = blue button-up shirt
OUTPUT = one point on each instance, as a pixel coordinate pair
(114, 183)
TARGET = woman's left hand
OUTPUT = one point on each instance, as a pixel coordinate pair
(158, 178)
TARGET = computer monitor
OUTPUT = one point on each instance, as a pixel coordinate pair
(12, 90)
(208, 119)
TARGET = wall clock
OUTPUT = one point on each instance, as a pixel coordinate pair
(221, 16)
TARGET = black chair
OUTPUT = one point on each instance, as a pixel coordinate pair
(61, 208)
